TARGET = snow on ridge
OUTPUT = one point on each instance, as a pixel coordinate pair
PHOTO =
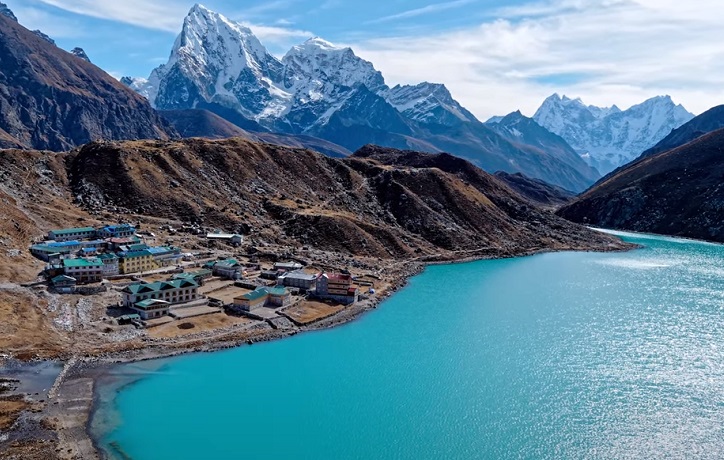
(217, 60)
(610, 137)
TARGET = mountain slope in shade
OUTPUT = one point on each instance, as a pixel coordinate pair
(50, 99)
(709, 121)
(560, 164)
(202, 123)
(609, 137)
(541, 193)
(678, 192)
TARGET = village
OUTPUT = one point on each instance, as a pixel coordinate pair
(139, 279)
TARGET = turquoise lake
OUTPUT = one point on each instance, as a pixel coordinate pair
(568, 355)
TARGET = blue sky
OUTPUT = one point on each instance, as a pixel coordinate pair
(495, 56)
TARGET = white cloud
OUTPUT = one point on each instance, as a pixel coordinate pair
(167, 15)
(158, 14)
(606, 51)
(34, 18)
(429, 9)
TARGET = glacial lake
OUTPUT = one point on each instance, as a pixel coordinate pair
(556, 356)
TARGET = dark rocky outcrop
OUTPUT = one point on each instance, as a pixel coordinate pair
(7, 12)
(678, 192)
(44, 36)
(51, 100)
(80, 52)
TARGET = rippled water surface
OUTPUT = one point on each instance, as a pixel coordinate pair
(573, 355)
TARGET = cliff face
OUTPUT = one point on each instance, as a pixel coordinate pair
(53, 100)
(677, 192)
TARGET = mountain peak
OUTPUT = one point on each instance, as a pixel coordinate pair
(428, 102)
(314, 65)
(198, 8)
(80, 52)
(45, 37)
(7, 12)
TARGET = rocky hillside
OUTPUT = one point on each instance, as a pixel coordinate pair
(425, 204)
(539, 192)
(51, 99)
(677, 192)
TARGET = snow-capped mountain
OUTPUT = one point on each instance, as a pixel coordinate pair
(218, 62)
(428, 103)
(609, 137)
(322, 90)
(215, 60)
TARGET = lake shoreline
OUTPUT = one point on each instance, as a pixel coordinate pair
(79, 384)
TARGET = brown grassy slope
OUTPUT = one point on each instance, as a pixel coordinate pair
(34, 198)
(678, 192)
(26, 327)
(286, 195)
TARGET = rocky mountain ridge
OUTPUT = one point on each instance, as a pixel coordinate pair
(50, 99)
(529, 136)
(368, 205)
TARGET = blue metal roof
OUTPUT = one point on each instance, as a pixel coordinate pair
(63, 244)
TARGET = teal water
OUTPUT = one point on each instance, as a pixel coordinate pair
(570, 355)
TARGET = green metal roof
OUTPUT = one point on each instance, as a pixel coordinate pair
(149, 303)
(50, 249)
(62, 278)
(230, 262)
(78, 263)
(132, 316)
(137, 247)
(108, 256)
(278, 291)
(160, 286)
(256, 295)
(66, 231)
